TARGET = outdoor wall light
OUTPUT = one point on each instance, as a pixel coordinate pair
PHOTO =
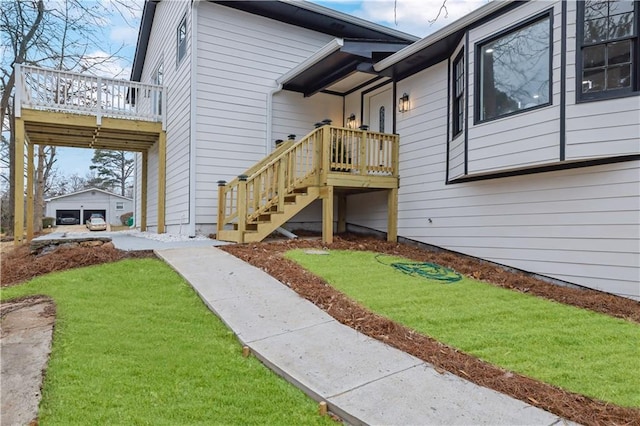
(403, 103)
(351, 121)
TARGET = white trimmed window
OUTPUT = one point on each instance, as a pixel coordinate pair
(119, 205)
(181, 40)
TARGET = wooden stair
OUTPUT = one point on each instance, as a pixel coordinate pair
(277, 188)
(259, 228)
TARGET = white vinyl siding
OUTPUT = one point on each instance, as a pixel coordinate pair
(600, 128)
(162, 49)
(240, 57)
(579, 225)
(525, 139)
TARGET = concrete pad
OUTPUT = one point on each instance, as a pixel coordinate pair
(428, 397)
(24, 352)
(330, 359)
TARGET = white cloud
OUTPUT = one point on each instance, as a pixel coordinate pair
(105, 65)
(124, 35)
(416, 16)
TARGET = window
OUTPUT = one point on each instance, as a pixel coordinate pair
(608, 46)
(515, 70)
(381, 118)
(458, 95)
(182, 39)
(119, 205)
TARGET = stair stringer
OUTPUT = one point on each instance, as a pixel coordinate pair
(280, 218)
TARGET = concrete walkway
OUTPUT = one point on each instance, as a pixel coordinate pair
(362, 380)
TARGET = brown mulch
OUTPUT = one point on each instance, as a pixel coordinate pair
(575, 407)
(21, 265)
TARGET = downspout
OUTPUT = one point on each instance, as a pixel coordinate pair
(193, 77)
(272, 92)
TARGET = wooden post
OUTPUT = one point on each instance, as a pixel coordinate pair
(326, 153)
(395, 155)
(392, 215)
(342, 213)
(143, 191)
(30, 188)
(322, 408)
(18, 211)
(282, 166)
(327, 215)
(363, 153)
(221, 206)
(162, 179)
(242, 207)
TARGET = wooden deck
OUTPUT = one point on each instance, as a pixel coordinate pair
(329, 163)
(75, 110)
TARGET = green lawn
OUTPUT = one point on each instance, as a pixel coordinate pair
(578, 350)
(133, 344)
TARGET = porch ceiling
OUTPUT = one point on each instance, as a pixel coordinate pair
(80, 131)
(341, 69)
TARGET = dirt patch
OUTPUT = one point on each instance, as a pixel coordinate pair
(581, 409)
(25, 344)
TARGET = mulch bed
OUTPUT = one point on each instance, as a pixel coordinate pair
(21, 265)
(575, 407)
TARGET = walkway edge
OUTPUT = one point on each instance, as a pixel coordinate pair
(363, 380)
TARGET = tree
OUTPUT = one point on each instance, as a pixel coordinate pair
(55, 34)
(113, 168)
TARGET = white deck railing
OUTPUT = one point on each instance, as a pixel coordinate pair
(63, 91)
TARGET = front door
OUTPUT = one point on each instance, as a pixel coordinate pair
(381, 112)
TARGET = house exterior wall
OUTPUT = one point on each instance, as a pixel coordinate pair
(91, 200)
(162, 49)
(580, 225)
(240, 57)
(601, 128)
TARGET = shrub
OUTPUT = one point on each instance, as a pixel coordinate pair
(48, 222)
(125, 218)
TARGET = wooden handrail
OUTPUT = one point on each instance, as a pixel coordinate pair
(304, 163)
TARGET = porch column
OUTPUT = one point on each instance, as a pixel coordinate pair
(162, 174)
(342, 213)
(30, 188)
(143, 191)
(327, 214)
(18, 210)
(392, 215)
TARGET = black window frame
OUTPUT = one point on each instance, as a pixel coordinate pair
(547, 14)
(457, 95)
(181, 45)
(633, 89)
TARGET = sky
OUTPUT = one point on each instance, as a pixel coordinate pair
(417, 17)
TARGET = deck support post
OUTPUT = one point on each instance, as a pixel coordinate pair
(242, 207)
(143, 190)
(327, 214)
(162, 173)
(392, 215)
(342, 213)
(30, 188)
(18, 209)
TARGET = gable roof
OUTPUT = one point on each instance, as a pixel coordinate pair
(87, 190)
(439, 45)
(295, 12)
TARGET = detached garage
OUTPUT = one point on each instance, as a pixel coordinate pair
(78, 207)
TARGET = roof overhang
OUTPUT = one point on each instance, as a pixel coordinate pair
(438, 46)
(336, 61)
(295, 12)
